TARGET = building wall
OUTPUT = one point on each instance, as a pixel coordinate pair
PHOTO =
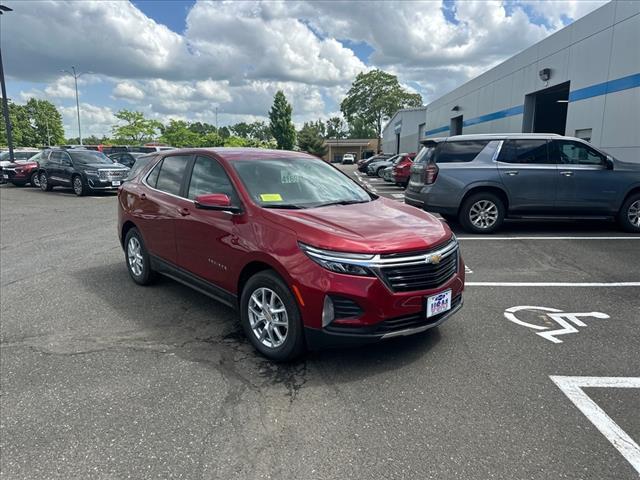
(407, 124)
(598, 54)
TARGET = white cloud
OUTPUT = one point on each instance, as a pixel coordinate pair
(128, 91)
(94, 120)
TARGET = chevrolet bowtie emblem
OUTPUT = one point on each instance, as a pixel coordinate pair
(435, 259)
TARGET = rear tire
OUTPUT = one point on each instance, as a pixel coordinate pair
(137, 258)
(482, 212)
(263, 299)
(45, 186)
(629, 215)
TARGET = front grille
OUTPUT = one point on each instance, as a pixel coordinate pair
(393, 325)
(112, 174)
(421, 276)
(345, 307)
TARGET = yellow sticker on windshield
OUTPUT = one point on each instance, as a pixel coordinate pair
(270, 197)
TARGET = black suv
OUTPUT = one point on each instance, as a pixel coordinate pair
(83, 170)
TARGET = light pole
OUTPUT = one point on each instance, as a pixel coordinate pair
(5, 102)
(76, 76)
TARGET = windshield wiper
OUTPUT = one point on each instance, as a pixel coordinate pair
(292, 206)
(341, 202)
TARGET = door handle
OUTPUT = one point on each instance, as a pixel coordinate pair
(511, 173)
(183, 211)
(567, 173)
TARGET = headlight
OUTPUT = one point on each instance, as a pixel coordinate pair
(91, 172)
(339, 262)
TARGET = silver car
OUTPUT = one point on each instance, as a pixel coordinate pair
(480, 180)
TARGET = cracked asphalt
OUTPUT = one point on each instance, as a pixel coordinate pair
(100, 378)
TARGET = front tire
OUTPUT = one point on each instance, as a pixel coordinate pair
(270, 317)
(137, 258)
(79, 187)
(35, 180)
(629, 215)
(45, 186)
(482, 213)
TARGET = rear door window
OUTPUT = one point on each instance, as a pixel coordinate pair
(528, 152)
(464, 151)
(171, 174)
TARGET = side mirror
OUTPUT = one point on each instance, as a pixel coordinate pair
(609, 162)
(216, 201)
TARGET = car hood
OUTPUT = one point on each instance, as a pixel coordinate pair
(380, 226)
(106, 166)
(21, 163)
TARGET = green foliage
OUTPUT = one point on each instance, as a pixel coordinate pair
(311, 138)
(336, 128)
(29, 124)
(280, 123)
(359, 128)
(178, 134)
(256, 130)
(373, 96)
(136, 128)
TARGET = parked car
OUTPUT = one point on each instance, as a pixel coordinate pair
(483, 179)
(348, 158)
(150, 148)
(19, 155)
(365, 162)
(289, 240)
(82, 170)
(125, 158)
(24, 172)
(401, 170)
(386, 174)
(375, 168)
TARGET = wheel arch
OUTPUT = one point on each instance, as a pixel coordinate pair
(257, 265)
(126, 226)
(489, 187)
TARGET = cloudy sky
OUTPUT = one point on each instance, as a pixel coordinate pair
(182, 59)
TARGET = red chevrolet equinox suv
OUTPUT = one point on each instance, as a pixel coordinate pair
(308, 256)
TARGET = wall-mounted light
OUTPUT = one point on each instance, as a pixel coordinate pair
(562, 101)
(455, 109)
(545, 74)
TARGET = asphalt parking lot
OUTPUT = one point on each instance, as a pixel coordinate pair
(104, 379)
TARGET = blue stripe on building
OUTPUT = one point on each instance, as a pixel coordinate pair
(624, 83)
(617, 85)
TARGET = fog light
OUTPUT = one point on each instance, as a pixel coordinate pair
(327, 312)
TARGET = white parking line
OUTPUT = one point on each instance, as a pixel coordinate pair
(550, 238)
(572, 387)
(397, 195)
(552, 284)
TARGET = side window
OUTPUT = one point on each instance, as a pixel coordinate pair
(460, 151)
(55, 157)
(527, 152)
(65, 158)
(208, 176)
(575, 153)
(171, 173)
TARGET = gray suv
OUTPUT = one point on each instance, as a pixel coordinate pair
(481, 179)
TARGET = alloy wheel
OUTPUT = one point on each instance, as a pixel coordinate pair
(268, 317)
(483, 214)
(35, 180)
(633, 214)
(43, 181)
(134, 256)
(77, 185)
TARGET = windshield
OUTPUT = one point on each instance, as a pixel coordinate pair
(297, 183)
(89, 156)
(18, 155)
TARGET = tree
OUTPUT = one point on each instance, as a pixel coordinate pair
(280, 123)
(202, 128)
(336, 128)
(359, 128)
(375, 95)
(311, 138)
(178, 134)
(256, 131)
(136, 129)
(46, 122)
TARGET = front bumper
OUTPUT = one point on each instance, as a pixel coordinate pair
(95, 184)
(327, 338)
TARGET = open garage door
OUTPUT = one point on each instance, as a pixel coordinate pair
(545, 111)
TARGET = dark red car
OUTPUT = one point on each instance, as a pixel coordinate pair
(401, 171)
(307, 255)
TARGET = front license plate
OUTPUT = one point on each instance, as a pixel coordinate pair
(439, 303)
(6, 177)
(115, 184)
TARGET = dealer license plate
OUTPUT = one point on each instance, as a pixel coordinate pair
(439, 303)
(5, 176)
(115, 184)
